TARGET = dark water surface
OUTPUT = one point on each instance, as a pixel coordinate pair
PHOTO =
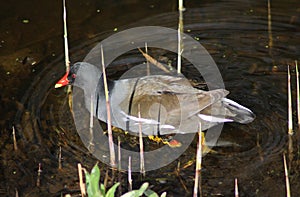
(236, 35)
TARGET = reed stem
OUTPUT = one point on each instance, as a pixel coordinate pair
(298, 93)
(14, 139)
(119, 153)
(180, 33)
(154, 61)
(236, 188)
(110, 137)
(129, 174)
(81, 184)
(270, 44)
(148, 66)
(142, 161)
(91, 143)
(290, 117)
(17, 193)
(38, 181)
(197, 186)
(287, 182)
(180, 5)
(67, 59)
(59, 159)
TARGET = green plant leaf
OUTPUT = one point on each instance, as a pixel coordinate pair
(137, 193)
(133, 193)
(92, 182)
(111, 191)
(102, 189)
(163, 194)
(143, 188)
(150, 193)
(87, 177)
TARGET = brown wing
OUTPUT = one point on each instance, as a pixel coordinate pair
(171, 100)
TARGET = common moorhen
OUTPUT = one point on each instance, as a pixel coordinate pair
(167, 104)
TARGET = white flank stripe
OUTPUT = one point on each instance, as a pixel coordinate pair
(166, 126)
(141, 120)
(145, 121)
(213, 119)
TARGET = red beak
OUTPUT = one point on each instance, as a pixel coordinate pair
(63, 81)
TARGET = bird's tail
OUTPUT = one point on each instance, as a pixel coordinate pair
(227, 110)
(238, 113)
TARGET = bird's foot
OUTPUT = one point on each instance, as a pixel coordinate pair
(165, 140)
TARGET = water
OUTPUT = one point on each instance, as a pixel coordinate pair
(236, 35)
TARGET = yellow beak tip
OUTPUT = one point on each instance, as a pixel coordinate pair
(57, 85)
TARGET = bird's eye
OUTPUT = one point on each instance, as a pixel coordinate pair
(73, 76)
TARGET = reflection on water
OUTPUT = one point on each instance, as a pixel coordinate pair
(236, 35)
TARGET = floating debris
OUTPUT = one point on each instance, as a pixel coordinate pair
(25, 21)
